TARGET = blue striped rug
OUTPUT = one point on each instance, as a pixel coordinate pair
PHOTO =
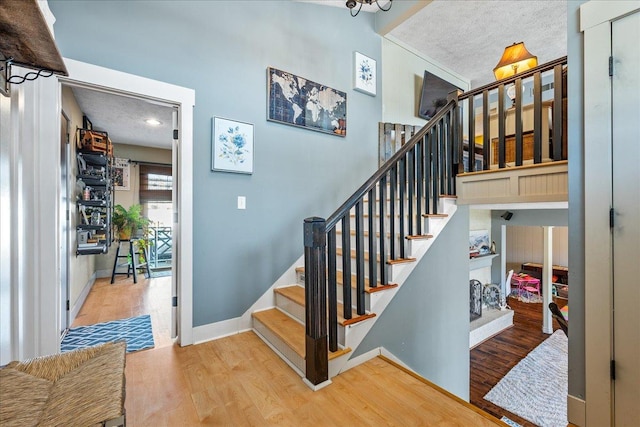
(136, 331)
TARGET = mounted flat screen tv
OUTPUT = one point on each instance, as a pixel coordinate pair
(434, 95)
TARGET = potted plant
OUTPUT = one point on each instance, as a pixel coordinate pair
(128, 221)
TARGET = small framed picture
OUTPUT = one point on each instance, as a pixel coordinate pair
(364, 74)
(231, 146)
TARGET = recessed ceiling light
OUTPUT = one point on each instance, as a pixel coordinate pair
(153, 122)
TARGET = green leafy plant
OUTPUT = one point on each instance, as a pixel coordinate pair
(128, 221)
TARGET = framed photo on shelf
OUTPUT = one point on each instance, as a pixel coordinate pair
(479, 243)
(364, 74)
(231, 146)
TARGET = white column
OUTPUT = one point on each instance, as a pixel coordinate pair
(547, 273)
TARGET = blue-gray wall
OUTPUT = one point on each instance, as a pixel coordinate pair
(426, 325)
(575, 98)
(222, 50)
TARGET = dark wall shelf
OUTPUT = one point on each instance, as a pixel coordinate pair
(95, 202)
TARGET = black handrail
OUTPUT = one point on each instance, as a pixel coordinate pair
(412, 180)
(418, 172)
(386, 167)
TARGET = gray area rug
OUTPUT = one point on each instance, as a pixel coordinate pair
(536, 388)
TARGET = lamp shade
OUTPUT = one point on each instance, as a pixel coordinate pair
(515, 59)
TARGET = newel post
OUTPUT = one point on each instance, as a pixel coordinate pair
(315, 244)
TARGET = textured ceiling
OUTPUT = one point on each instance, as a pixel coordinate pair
(124, 118)
(469, 36)
(466, 36)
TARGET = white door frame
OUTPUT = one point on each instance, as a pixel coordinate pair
(595, 24)
(117, 82)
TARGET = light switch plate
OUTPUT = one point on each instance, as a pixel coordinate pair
(242, 202)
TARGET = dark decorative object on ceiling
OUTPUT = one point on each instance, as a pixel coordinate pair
(351, 4)
(506, 215)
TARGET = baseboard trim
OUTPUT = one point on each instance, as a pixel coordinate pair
(359, 360)
(103, 273)
(81, 298)
(316, 387)
(214, 331)
(576, 411)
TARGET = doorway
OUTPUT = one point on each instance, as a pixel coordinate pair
(114, 287)
(180, 101)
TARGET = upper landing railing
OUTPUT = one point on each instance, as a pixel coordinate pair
(516, 121)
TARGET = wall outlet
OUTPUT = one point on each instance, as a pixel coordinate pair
(242, 202)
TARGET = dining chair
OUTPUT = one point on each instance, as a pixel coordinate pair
(532, 287)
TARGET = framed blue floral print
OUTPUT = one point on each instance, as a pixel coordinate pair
(231, 146)
(364, 74)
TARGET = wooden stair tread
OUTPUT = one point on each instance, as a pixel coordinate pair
(448, 196)
(435, 215)
(420, 237)
(290, 331)
(367, 288)
(296, 294)
(400, 261)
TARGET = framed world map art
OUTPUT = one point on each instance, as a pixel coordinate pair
(300, 102)
(364, 74)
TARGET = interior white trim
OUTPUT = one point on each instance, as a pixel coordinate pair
(31, 264)
(359, 360)
(441, 71)
(93, 76)
(81, 298)
(595, 13)
(214, 331)
(597, 201)
(576, 411)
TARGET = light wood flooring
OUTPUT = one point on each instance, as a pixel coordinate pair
(239, 380)
(125, 299)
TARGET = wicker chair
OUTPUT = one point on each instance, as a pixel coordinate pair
(83, 387)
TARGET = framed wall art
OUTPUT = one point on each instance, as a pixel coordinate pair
(364, 74)
(297, 101)
(231, 146)
(121, 171)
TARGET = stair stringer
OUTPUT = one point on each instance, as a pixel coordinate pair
(355, 334)
(267, 300)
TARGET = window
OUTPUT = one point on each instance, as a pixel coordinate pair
(155, 183)
(155, 194)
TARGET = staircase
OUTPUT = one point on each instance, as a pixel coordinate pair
(356, 260)
(283, 326)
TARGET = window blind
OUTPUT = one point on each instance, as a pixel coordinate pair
(155, 183)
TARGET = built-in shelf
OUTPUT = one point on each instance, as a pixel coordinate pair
(481, 261)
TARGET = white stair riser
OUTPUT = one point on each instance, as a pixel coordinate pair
(290, 307)
(265, 333)
(351, 336)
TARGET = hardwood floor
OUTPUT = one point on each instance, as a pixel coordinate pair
(239, 380)
(494, 358)
(124, 299)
